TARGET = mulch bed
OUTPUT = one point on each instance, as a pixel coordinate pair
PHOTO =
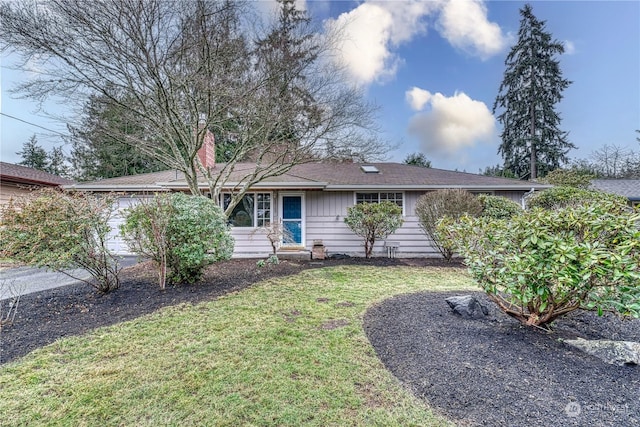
(490, 371)
(494, 372)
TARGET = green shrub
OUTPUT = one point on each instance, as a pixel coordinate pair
(182, 233)
(62, 231)
(373, 221)
(559, 197)
(543, 264)
(498, 207)
(435, 205)
(568, 178)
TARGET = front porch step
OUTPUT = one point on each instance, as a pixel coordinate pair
(296, 255)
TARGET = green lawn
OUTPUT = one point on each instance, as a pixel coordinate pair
(290, 351)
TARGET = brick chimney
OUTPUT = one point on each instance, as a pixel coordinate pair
(207, 153)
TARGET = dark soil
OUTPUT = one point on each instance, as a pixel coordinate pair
(490, 372)
(494, 372)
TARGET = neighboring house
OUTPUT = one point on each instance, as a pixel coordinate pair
(311, 201)
(629, 188)
(16, 180)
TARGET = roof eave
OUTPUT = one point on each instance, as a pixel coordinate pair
(339, 187)
(260, 185)
(27, 181)
(115, 188)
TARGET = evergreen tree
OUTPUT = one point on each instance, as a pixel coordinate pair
(532, 141)
(285, 55)
(57, 163)
(99, 152)
(33, 155)
(497, 171)
(417, 159)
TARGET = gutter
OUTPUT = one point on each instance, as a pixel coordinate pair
(115, 188)
(27, 181)
(399, 187)
(259, 185)
(523, 201)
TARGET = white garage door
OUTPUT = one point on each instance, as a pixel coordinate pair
(115, 243)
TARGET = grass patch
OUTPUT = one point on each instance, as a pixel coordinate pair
(290, 351)
(8, 263)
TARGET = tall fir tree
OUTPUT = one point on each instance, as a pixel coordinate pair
(97, 152)
(532, 141)
(57, 163)
(285, 55)
(33, 155)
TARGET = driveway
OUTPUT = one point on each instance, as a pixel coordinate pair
(27, 280)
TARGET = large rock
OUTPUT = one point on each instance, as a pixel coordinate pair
(467, 306)
(613, 352)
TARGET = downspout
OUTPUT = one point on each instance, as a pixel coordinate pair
(524, 198)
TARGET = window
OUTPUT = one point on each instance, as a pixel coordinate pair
(379, 197)
(392, 197)
(254, 210)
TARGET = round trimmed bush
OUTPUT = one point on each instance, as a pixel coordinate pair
(559, 197)
(498, 207)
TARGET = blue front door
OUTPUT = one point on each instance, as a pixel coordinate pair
(292, 220)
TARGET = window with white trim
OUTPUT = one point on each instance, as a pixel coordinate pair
(254, 210)
(397, 198)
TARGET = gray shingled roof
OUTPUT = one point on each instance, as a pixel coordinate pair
(329, 176)
(142, 181)
(24, 175)
(397, 174)
(629, 188)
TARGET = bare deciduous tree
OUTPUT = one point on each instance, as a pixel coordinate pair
(277, 234)
(178, 69)
(9, 301)
(611, 161)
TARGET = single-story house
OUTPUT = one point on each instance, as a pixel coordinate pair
(16, 180)
(311, 201)
(629, 188)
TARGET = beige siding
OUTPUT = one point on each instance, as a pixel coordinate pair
(516, 196)
(325, 212)
(249, 242)
(325, 221)
(10, 191)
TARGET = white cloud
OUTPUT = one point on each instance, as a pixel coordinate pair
(372, 31)
(569, 47)
(417, 98)
(465, 25)
(363, 48)
(450, 123)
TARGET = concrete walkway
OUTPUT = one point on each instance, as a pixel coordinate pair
(27, 280)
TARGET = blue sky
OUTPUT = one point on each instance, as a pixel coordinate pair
(435, 68)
